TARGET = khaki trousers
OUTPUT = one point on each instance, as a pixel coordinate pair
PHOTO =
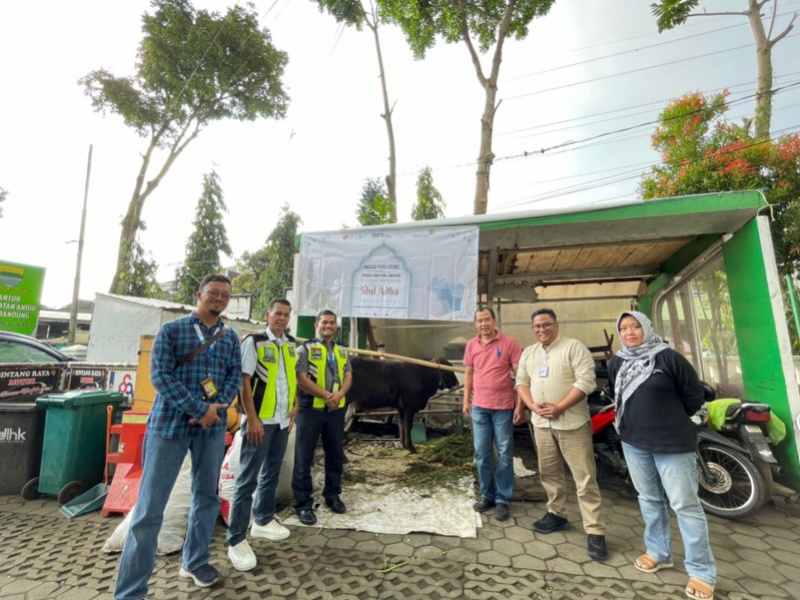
(574, 447)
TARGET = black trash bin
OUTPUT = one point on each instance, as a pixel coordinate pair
(21, 440)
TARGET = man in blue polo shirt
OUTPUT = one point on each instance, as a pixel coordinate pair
(195, 368)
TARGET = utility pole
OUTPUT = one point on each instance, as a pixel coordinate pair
(73, 315)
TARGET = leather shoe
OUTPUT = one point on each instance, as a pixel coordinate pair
(501, 512)
(597, 547)
(550, 523)
(307, 516)
(482, 505)
(336, 505)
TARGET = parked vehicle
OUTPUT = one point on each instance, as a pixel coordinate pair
(18, 348)
(734, 464)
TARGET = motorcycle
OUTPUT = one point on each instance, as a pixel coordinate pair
(734, 464)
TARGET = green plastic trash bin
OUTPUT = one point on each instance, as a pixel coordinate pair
(74, 451)
(21, 435)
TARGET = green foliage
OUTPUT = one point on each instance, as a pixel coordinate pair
(349, 12)
(139, 280)
(702, 152)
(373, 207)
(430, 204)
(193, 67)
(207, 241)
(454, 20)
(3, 196)
(671, 13)
(269, 271)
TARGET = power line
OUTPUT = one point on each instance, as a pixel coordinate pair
(639, 70)
(639, 49)
(702, 22)
(605, 181)
(616, 110)
(637, 126)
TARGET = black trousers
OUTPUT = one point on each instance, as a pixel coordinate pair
(311, 424)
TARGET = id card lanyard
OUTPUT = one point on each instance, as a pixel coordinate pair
(208, 351)
(543, 369)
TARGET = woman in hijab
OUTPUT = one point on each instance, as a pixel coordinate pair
(657, 390)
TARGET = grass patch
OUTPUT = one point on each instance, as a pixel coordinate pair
(443, 463)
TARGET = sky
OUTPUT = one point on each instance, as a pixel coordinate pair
(587, 69)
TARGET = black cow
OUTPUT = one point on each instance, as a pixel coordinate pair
(394, 384)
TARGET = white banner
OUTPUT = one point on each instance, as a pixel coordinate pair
(413, 273)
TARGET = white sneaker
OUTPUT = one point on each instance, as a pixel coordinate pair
(272, 531)
(242, 556)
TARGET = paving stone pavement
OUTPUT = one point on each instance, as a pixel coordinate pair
(46, 555)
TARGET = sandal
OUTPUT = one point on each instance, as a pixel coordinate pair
(648, 564)
(696, 586)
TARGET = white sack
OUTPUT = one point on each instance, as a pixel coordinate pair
(176, 515)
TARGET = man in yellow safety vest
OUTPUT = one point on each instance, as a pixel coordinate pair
(324, 376)
(269, 385)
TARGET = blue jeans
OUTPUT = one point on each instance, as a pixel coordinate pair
(311, 424)
(489, 425)
(161, 462)
(657, 473)
(267, 459)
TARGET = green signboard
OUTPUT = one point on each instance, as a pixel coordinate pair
(20, 293)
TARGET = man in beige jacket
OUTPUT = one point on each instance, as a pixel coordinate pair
(554, 378)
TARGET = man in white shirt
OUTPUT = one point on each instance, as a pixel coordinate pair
(554, 378)
(267, 394)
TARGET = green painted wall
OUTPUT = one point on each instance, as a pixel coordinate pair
(755, 326)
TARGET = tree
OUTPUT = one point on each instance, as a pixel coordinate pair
(273, 265)
(430, 204)
(355, 14)
(702, 152)
(672, 13)
(3, 196)
(194, 67)
(490, 23)
(373, 206)
(139, 279)
(207, 241)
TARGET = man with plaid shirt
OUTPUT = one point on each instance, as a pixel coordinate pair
(196, 368)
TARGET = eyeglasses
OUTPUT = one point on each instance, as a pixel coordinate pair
(543, 326)
(218, 294)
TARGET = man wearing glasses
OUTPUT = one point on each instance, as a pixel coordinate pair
(196, 368)
(555, 376)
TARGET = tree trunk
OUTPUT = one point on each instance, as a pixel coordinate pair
(131, 222)
(391, 179)
(485, 156)
(133, 218)
(489, 84)
(763, 115)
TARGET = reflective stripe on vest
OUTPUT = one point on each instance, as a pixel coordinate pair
(317, 368)
(265, 382)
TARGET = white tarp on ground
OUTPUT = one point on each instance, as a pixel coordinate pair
(387, 509)
(409, 273)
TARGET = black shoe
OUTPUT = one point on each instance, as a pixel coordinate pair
(307, 516)
(551, 523)
(501, 511)
(597, 547)
(483, 505)
(336, 505)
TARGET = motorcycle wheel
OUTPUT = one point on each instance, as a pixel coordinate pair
(739, 486)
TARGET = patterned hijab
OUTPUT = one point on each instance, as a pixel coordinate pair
(637, 363)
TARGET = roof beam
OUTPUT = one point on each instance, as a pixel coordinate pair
(617, 273)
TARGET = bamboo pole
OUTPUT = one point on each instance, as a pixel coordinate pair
(413, 361)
